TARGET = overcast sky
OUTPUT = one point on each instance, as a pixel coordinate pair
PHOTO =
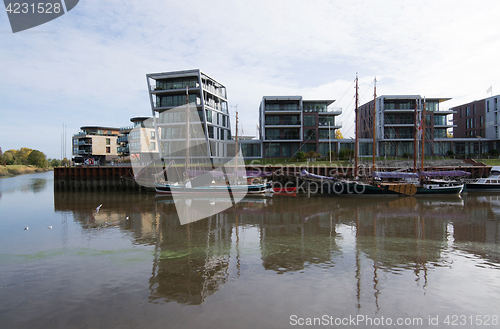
(88, 67)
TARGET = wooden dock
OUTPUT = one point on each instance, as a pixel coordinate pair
(109, 178)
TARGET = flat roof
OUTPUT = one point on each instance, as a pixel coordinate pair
(328, 101)
(282, 98)
(439, 99)
(181, 74)
(139, 119)
(98, 128)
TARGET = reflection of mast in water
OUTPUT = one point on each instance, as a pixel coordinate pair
(421, 248)
(237, 240)
(375, 278)
(358, 265)
(191, 261)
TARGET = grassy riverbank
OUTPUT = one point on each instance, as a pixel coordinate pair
(14, 170)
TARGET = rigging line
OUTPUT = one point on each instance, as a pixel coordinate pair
(353, 123)
(345, 93)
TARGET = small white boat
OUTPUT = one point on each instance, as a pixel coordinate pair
(491, 183)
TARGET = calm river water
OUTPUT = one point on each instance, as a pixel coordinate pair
(267, 263)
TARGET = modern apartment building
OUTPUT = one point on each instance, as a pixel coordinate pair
(397, 119)
(138, 140)
(477, 126)
(95, 145)
(167, 90)
(289, 124)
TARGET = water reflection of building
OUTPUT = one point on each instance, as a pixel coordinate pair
(191, 261)
(293, 236)
(364, 237)
(481, 226)
(116, 208)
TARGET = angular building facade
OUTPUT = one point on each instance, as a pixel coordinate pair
(398, 118)
(167, 91)
(477, 126)
(289, 124)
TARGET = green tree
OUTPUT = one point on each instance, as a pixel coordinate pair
(300, 155)
(22, 155)
(54, 162)
(64, 162)
(37, 158)
(9, 157)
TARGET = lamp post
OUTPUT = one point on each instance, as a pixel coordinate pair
(479, 154)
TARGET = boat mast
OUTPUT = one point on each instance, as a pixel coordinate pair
(423, 137)
(415, 141)
(236, 145)
(374, 126)
(329, 143)
(187, 129)
(356, 131)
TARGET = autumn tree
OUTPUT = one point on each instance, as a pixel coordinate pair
(338, 134)
(22, 155)
(9, 157)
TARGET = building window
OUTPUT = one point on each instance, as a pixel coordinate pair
(481, 121)
(152, 146)
(467, 112)
(272, 120)
(291, 134)
(273, 150)
(309, 134)
(153, 136)
(108, 141)
(286, 150)
(309, 121)
(272, 134)
(474, 109)
(108, 149)
(487, 106)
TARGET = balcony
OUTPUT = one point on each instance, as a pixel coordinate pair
(283, 109)
(287, 123)
(334, 125)
(391, 122)
(216, 91)
(282, 138)
(123, 139)
(83, 152)
(331, 112)
(124, 149)
(398, 136)
(122, 129)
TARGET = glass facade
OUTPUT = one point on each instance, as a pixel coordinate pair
(309, 134)
(179, 83)
(176, 100)
(251, 150)
(315, 106)
(309, 121)
(283, 106)
(324, 121)
(292, 134)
